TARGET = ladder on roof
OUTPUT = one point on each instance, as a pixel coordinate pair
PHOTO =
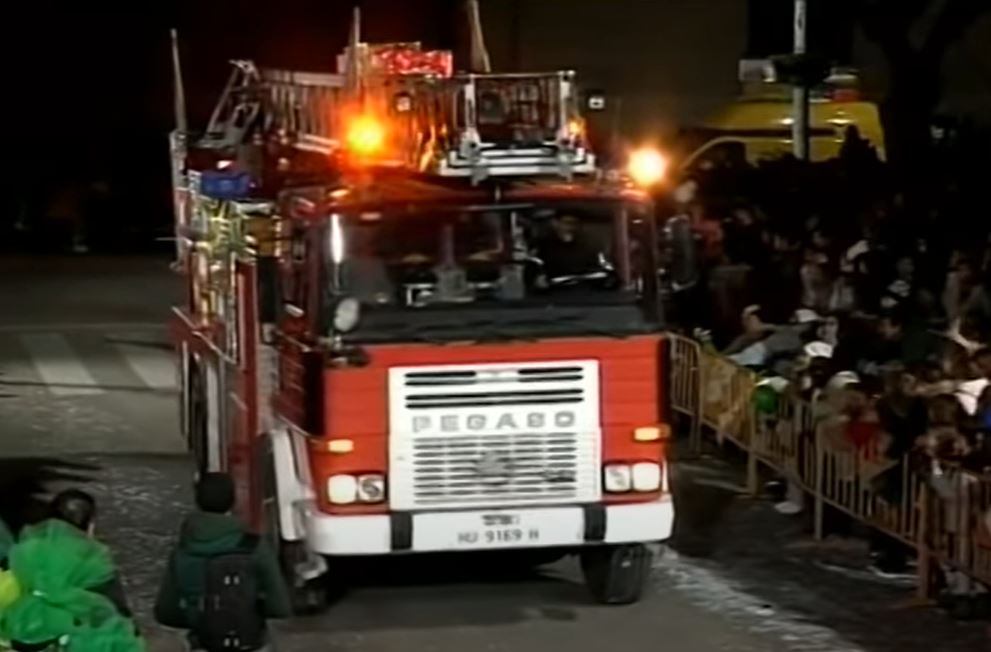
(302, 107)
(475, 126)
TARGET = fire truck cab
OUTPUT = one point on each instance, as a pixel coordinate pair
(454, 347)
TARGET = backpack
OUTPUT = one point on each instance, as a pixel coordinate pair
(230, 619)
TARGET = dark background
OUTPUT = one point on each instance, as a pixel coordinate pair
(88, 94)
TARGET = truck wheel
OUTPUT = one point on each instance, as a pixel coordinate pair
(309, 597)
(616, 574)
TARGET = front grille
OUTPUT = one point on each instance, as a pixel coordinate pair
(511, 469)
(494, 435)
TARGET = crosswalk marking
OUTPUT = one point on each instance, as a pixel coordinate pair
(59, 366)
(154, 369)
(84, 363)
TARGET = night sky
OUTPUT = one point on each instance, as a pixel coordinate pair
(89, 94)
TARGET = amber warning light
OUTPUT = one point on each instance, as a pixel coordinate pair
(365, 136)
(647, 166)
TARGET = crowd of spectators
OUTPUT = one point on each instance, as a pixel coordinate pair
(871, 301)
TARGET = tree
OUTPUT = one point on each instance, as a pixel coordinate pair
(914, 36)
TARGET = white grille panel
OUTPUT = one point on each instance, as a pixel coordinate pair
(494, 435)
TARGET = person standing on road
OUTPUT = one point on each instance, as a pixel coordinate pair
(221, 582)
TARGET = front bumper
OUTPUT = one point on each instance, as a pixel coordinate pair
(492, 529)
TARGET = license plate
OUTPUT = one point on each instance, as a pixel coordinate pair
(481, 530)
(498, 530)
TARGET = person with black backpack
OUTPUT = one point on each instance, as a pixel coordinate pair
(221, 582)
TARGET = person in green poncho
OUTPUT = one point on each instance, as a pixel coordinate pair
(49, 603)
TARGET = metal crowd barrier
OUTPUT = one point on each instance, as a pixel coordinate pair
(726, 405)
(945, 514)
(684, 386)
(960, 526)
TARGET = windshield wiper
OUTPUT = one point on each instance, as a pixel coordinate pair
(583, 327)
(411, 332)
(491, 332)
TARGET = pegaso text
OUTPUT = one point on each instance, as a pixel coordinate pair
(500, 422)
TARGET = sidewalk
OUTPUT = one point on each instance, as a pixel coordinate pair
(775, 558)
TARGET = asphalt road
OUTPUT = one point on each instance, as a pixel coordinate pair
(87, 395)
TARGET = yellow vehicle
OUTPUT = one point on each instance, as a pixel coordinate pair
(759, 128)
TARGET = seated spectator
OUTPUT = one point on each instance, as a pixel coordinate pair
(961, 280)
(903, 417)
(894, 341)
(754, 330)
(863, 429)
(902, 288)
(843, 297)
(55, 605)
(78, 509)
(947, 449)
(782, 345)
(195, 594)
(944, 438)
(817, 282)
(902, 413)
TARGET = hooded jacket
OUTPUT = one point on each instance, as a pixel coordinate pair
(202, 537)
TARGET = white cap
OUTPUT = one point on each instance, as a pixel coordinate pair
(806, 316)
(969, 394)
(777, 383)
(751, 309)
(819, 350)
(842, 379)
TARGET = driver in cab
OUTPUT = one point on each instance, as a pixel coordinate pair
(568, 252)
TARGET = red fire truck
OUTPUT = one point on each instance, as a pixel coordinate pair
(419, 319)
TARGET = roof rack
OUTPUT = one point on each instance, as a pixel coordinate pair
(472, 126)
(503, 125)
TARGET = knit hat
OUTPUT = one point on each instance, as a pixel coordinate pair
(215, 493)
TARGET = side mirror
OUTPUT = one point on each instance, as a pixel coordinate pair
(683, 268)
(595, 100)
(345, 313)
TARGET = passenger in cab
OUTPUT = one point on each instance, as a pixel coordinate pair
(567, 250)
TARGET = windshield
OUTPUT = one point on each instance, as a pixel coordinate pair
(498, 264)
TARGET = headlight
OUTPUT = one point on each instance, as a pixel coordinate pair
(347, 312)
(646, 476)
(616, 478)
(342, 489)
(371, 488)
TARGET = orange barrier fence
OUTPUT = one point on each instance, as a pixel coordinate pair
(944, 513)
(726, 398)
(684, 382)
(960, 532)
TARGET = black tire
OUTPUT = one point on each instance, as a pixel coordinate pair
(308, 597)
(616, 575)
